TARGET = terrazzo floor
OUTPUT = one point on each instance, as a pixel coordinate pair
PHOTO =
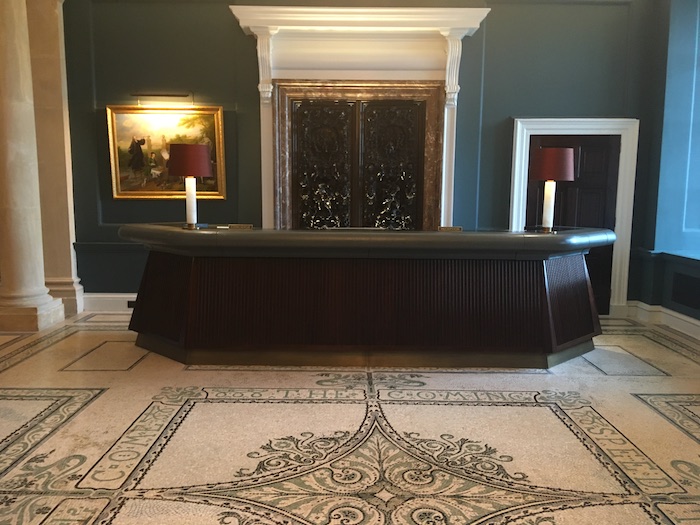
(96, 430)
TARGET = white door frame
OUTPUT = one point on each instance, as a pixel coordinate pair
(628, 130)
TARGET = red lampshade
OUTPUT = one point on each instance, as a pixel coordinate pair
(552, 164)
(189, 160)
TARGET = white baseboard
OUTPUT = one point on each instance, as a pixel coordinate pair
(108, 302)
(619, 310)
(656, 314)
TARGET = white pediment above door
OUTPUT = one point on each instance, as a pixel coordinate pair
(359, 43)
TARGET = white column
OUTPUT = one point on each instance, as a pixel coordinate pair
(453, 50)
(46, 42)
(25, 304)
(448, 166)
(267, 168)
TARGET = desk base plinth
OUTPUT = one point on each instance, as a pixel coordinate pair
(357, 357)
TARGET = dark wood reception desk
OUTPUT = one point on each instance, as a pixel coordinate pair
(358, 297)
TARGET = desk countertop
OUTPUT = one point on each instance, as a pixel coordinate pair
(365, 243)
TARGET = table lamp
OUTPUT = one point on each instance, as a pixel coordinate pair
(551, 165)
(190, 161)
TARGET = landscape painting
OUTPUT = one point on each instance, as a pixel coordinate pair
(140, 139)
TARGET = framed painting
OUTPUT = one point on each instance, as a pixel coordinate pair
(140, 138)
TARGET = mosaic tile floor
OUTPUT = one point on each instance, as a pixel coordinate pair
(96, 430)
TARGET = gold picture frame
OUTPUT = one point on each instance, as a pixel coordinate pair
(139, 142)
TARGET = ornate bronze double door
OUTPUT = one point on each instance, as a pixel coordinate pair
(358, 163)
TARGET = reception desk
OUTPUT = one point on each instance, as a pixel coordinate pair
(363, 297)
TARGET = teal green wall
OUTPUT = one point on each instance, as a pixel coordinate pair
(678, 217)
(665, 269)
(543, 58)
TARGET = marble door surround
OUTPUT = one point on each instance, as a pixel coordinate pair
(430, 94)
(325, 44)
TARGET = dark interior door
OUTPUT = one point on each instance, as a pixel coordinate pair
(587, 201)
(358, 163)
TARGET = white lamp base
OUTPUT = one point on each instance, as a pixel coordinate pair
(191, 201)
(550, 188)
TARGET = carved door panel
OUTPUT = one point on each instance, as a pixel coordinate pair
(357, 164)
(392, 164)
(587, 201)
(323, 163)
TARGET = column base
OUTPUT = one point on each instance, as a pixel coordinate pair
(70, 290)
(31, 318)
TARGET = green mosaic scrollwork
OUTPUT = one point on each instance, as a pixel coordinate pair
(236, 518)
(428, 516)
(25, 509)
(376, 481)
(290, 451)
(393, 381)
(690, 472)
(465, 454)
(542, 520)
(37, 476)
(376, 379)
(37, 487)
(569, 399)
(171, 395)
(349, 381)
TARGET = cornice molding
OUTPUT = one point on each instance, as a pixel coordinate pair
(464, 21)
